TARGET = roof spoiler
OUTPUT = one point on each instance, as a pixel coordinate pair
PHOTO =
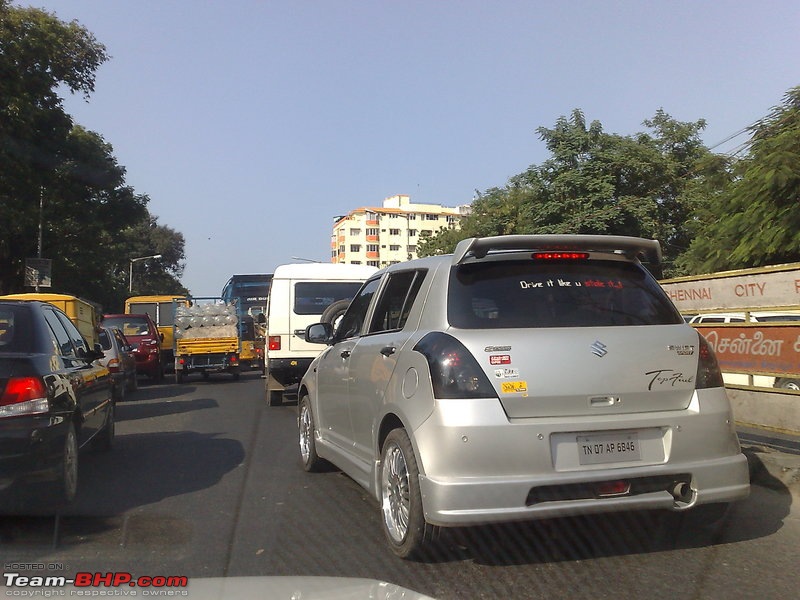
(633, 247)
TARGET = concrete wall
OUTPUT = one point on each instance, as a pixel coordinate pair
(780, 412)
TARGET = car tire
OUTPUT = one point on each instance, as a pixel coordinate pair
(788, 383)
(118, 392)
(65, 486)
(334, 312)
(105, 439)
(308, 445)
(158, 376)
(404, 525)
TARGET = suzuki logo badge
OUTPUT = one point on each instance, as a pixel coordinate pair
(599, 349)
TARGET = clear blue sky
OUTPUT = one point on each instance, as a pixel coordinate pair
(251, 124)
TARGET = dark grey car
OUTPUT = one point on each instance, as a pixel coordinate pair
(522, 377)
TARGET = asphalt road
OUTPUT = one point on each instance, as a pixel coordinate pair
(205, 481)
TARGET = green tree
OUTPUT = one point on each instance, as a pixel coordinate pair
(754, 220)
(93, 222)
(595, 182)
(38, 53)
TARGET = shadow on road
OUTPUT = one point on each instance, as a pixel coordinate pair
(133, 411)
(115, 483)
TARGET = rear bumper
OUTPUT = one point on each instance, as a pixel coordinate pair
(30, 450)
(499, 499)
(288, 371)
(148, 363)
(478, 466)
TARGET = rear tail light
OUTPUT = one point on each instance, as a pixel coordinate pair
(560, 255)
(24, 396)
(274, 342)
(233, 359)
(708, 373)
(454, 371)
(113, 365)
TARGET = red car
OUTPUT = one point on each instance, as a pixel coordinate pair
(145, 338)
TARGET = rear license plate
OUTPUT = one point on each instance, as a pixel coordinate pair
(608, 448)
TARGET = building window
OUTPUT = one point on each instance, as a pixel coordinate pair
(394, 247)
(372, 231)
(394, 232)
(355, 231)
(373, 263)
(355, 247)
(372, 247)
(412, 249)
(341, 249)
(412, 232)
(430, 217)
(412, 217)
(355, 262)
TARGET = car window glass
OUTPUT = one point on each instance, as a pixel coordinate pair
(398, 296)
(313, 297)
(353, 319)
(105, 339)
(149, 308)
(121, 339)
(75, 335)
(129, 325)
(496, 294)
(62, 337)
(165, 315)
(15, 327)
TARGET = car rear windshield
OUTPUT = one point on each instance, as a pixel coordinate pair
(593, 293)
(313, 297)
(15, 329)
(128, 325)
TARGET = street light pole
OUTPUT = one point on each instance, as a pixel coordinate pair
(130, 276)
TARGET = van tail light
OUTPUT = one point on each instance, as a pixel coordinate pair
(708, 373)
(454, 371)
(274, 342)
(23, 396)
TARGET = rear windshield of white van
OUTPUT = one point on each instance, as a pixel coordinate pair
(313, 297)
(495, 294)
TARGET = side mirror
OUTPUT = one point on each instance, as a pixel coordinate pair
(319, 333)
(261, 318)
(93, 354)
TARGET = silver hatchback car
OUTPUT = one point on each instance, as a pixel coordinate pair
(522, 377)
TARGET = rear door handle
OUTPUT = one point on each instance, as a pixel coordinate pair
(388, 350)
(345, 354)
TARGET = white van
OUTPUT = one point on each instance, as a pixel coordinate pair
(302, 294)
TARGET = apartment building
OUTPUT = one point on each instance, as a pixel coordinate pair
(387, 235)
